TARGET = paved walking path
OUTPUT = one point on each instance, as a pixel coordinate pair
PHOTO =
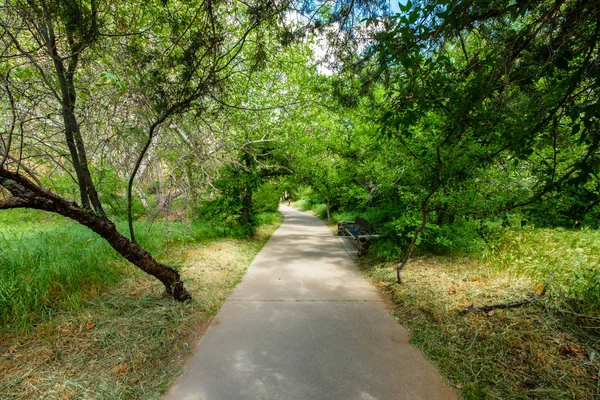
(305, 325)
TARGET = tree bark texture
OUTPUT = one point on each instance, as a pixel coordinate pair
(246, 213)
(25, 194)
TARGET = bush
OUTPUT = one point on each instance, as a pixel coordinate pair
(303, 205)
(353, 197)
(342, 216)
(268, 218)
(320, 210)
(266, 199)
(461, 237)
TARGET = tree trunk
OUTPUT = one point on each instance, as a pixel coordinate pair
(65, 76)
(246, 212)
(420, 228)
(246, 215)
(27, 195)
(138, 163)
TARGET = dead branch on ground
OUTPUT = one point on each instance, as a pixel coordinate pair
(511, 304)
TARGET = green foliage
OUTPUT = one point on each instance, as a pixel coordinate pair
(314, 205)
(572, 207)
(113, 195)
(305, 204)
(464, 112)
(266, 198)
(268, 218)
(470, 126)
(227, 203)
(385, 249)
(320, 210)
(309, 201)
(342, 215)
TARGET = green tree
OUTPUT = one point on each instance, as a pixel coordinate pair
(473, 86)
(175, 56)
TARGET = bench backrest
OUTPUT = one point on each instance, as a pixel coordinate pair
(363, 224)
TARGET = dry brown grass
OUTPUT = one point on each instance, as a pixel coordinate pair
(128, 343)
(523, 353)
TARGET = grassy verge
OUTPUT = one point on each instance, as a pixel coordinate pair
(524, 353)
(50, 263)
(129, 341)
(572, 256)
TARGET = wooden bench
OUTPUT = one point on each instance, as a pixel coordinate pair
(359, 230)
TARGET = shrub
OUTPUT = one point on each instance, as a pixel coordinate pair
(266, 198)
(320, 210)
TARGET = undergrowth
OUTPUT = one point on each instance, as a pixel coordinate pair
(50, 263)
(547, 350)
(572, 256)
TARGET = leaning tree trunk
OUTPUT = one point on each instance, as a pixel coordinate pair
(25, 194)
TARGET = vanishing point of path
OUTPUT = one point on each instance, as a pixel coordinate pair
(304, 324)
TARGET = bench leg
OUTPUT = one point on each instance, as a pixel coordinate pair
(363, 246)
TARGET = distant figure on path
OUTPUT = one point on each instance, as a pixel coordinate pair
(288, 197)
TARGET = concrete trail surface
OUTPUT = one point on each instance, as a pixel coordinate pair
(305, 325)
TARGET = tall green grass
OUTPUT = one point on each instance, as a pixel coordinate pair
(43, 267)
(573, 256)
(49, 262)
(268, 218)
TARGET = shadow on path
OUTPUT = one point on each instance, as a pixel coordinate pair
(305, 324)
